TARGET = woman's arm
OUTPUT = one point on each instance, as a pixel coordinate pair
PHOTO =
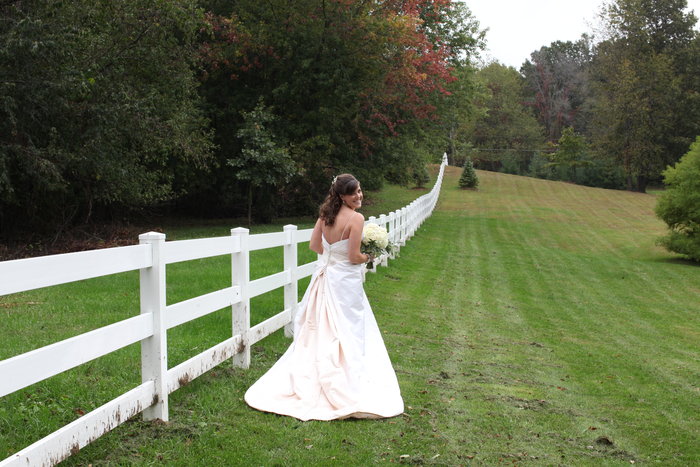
(315, 244)
(357, 223)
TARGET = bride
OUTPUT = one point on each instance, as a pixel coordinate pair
(337, 366)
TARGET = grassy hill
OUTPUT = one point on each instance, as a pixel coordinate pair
(529, 322)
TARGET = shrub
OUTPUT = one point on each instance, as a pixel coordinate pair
(601, 173)
(679, 205)
(539, 167)
(458, 158)
(420, 176)
(509, 164)
(468, 178)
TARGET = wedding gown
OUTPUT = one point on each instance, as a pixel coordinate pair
(337, 366)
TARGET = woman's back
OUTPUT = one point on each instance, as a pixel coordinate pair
(340, 230)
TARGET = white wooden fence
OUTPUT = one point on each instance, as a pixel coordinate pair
(150, 327)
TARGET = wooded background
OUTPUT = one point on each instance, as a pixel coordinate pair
(207, 108)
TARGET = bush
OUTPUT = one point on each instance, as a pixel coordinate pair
(458, 159)
(600, 173)
(509, 164)
(539, 167)
(468, 178)
(679, 205)
(420, 176)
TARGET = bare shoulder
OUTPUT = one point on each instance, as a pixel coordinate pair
(357, 220)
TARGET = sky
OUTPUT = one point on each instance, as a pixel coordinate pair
(519, 27)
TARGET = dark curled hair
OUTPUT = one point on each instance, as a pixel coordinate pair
(343, 184)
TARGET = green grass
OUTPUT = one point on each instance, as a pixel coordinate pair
(529, 322)
(38, 318)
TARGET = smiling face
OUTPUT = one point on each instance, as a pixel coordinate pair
(353, 200)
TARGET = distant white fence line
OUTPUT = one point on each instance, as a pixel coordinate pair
(150, 327)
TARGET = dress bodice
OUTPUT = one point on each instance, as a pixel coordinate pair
(333, 253)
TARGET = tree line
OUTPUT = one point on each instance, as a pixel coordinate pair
(611, 111)
(211, 107)
(237, 108)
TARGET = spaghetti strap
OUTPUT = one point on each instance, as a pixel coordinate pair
(342, 234)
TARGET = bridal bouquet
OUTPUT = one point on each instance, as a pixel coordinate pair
(375, 241)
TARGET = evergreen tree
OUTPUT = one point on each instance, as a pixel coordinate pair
(468, 178)
(263, 163)
(570, 154)
(420, 176)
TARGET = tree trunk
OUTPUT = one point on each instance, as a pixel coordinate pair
(642, 182)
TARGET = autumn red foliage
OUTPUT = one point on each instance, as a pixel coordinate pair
(398, 64)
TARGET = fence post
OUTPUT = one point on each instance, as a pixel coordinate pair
(416, 217)
(397, 225)
(154, 350)
(240, 312)
(291, 290)
(402, 229)
(383, 223)
(419, 205)
(392, 233)
(373, 220)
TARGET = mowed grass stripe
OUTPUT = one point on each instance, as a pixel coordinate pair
(566, 272)
(586, 299)
(631, 321)
(527, 375)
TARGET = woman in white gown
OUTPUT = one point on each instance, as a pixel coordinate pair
(337, 366)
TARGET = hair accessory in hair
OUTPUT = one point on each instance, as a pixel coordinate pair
(333, 182)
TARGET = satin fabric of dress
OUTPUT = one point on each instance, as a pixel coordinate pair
(337, 366)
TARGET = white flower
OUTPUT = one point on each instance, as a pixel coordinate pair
(376, 234)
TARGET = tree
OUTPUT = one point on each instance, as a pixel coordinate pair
(679, 205)
(262, 163)
(468, 179)
(420, 176)
(570, 153)
(458, 111)
(642, 102)
(557, 77)
(99, 111)
(504, 129)
(635, 115)
(108, 107)
(349, 82)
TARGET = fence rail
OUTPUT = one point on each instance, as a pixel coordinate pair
(149, 328)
